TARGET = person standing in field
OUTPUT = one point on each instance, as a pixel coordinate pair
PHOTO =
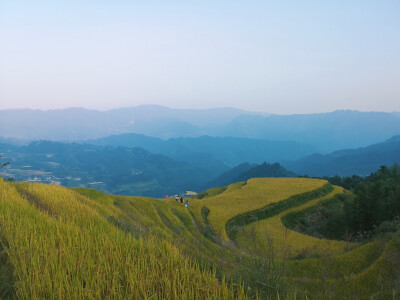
(176, 198)
(187, 204)
(182, 200)
(166, 196)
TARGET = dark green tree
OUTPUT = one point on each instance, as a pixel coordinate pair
(2, 165)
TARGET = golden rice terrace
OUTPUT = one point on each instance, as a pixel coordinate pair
(230, 243)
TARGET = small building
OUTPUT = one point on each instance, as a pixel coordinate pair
(190, 194)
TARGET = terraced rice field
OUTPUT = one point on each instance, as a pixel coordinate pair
(57, 244)
(368, 272)
(242, 198)
(272, 232)
(333, 269)
(79, 243)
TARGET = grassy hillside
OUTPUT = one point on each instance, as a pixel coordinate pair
(257, 193)
(272, 232)
(80, 243)
(313, 267)
(245, 171)
(58, 243)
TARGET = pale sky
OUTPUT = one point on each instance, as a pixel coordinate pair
(280, 57)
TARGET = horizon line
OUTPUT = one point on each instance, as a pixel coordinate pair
(191, 109)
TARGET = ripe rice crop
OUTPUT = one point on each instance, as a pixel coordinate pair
(59, 247)
(241, 198)
(368, 272)
(337, 266)
(271, 231)
(82, 244)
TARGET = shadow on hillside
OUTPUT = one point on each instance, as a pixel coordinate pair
(7, 281)
(237, 223)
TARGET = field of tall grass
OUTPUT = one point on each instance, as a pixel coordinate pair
(58, 246)
(314, 268)
(272, 233)
(369, 272)
(65, 243)
(241, 198)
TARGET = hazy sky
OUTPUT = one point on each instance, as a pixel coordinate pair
(272, 56)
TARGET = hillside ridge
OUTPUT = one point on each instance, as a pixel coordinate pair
(165, 244)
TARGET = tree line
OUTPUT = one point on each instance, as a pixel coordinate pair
(371, 208)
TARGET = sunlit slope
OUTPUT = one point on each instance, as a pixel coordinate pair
(339, 270)
(171, 221)
(337, 266)
(83, 244)
(152, 218)
(272, 232)
(241, 198)
(368, 272)
(57, 243)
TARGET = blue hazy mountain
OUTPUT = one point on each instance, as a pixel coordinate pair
(114, 170)
(135, 171)
(361, 161)
(245, 171)
(217, 153)
(229, 176)
(79, 123)
(326, 131)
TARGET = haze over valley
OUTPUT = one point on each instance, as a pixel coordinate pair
(189, 150)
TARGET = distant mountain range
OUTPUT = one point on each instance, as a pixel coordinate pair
(119, 170)
(135, 171)
(361, 161)
(80, 124)
(114, 170)
(326, 132)
(218, 154)
(153, 150)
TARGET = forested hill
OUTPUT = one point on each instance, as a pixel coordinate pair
(245, 171)
(124, 171)
(215, 152)
(114, 170)
(362, 161)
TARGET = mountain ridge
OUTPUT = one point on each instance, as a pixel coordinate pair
(328, 131)
(229, 151)
(124, 171)
(361, 161)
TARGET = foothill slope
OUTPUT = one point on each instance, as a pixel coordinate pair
(81, 243)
